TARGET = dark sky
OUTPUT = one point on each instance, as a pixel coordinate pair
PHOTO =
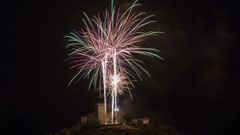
(197, 88)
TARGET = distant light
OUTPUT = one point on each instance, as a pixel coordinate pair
(116, 109)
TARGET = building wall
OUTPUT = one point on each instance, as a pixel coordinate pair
(83, 119)
(100, 112)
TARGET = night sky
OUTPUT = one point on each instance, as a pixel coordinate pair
(196, 89)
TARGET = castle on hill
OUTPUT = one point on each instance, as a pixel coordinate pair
(106, 119)
(100, 115)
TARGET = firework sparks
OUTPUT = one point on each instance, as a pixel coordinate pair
(104, 50)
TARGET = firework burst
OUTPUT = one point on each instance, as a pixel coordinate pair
(104, 49)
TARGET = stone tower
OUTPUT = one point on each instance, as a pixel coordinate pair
(100, 113)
